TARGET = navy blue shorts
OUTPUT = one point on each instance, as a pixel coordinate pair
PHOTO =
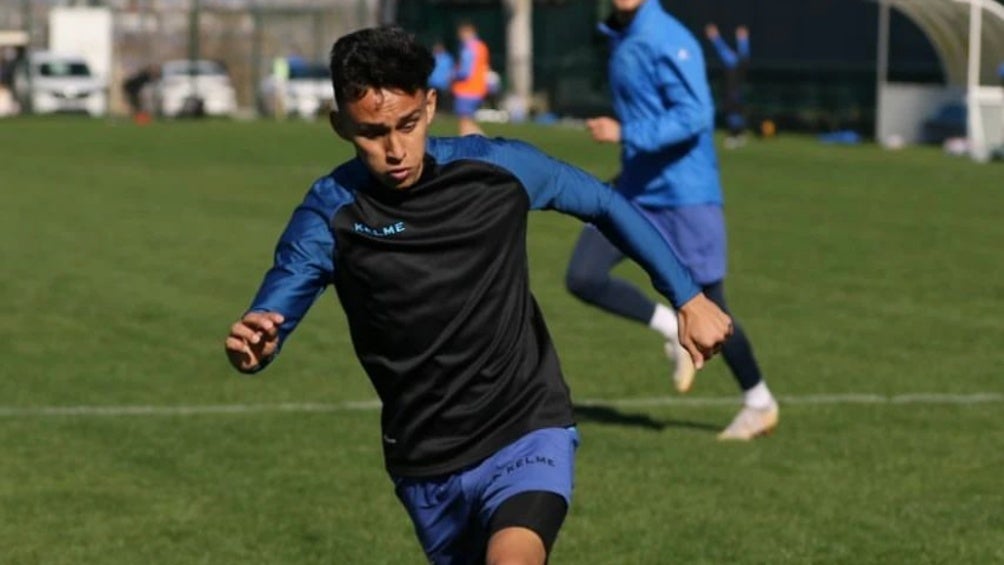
(451, 513)
(465, 106)
(697, 235)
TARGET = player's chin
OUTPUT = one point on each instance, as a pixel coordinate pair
(399, 179)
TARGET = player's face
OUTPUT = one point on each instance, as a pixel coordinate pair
(388, 129)
(628, 6)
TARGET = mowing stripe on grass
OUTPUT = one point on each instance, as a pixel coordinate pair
(209, 409)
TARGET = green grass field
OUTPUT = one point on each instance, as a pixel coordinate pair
(128, 251)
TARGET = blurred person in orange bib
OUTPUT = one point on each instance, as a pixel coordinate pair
(470, 84)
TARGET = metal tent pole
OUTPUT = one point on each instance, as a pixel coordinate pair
(882, 68)
(977, 139)
(519, 56)
(193, 49)
(28, 22)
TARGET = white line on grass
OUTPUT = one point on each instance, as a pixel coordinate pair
(368, 405)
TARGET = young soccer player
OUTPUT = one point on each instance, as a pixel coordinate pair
(669, 170)
(424, 240)
(441, 77)
(470, 86)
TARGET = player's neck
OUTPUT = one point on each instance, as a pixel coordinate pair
(623, 18)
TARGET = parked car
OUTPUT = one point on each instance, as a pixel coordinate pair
(194, 88)
(60, 83)
(308, 91)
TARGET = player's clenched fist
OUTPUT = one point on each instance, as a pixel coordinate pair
(252, 339)
(703, 328)
(604, 129)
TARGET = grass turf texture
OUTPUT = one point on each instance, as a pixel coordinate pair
(128, 251)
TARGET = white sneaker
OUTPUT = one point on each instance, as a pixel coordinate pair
(735, 141)
(750, 423)
(683, 373)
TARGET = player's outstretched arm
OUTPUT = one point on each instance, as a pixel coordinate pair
(552, 184)
(743, 42)
(703, 328)
(253, 340)
(303, 267)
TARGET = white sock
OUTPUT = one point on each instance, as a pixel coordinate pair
(759, 397)
(664, 321)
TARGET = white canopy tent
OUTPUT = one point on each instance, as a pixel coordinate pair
(968, 37)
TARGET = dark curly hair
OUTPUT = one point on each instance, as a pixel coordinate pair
(378, 58)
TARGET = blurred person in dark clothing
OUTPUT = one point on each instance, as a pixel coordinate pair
(133, 89)
(735, 63)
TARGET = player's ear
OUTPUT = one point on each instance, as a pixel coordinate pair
(431, 101)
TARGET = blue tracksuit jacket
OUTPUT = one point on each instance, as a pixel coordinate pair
(662, 99)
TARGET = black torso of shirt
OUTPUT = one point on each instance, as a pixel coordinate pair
(435, 284)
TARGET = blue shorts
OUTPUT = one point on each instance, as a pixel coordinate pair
(697, 235)
(465, 106)
(451, 512)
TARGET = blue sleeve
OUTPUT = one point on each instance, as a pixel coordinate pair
(555, 185)
(304, 262)
(725, 53)
(743, 46)
(689, 112)
(466, 63)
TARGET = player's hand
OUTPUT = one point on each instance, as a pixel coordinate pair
(253, 338)
(711, 30)
(604, 129)
(742, 32)
(703, 328)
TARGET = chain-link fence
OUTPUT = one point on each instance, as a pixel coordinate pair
(244, 35)
(245, 38)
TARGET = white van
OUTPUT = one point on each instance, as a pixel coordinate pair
(60, 83)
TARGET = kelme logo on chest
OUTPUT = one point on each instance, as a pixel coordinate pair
(381, 231)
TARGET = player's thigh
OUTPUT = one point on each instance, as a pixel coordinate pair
(593, 257)
(529, 483)
(525, 527)
(466, 106)
(516, 545)
(444, 520)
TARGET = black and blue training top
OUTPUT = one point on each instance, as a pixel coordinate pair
(435, 285)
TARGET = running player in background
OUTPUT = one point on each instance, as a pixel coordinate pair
(669, 171)
(441, 77)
